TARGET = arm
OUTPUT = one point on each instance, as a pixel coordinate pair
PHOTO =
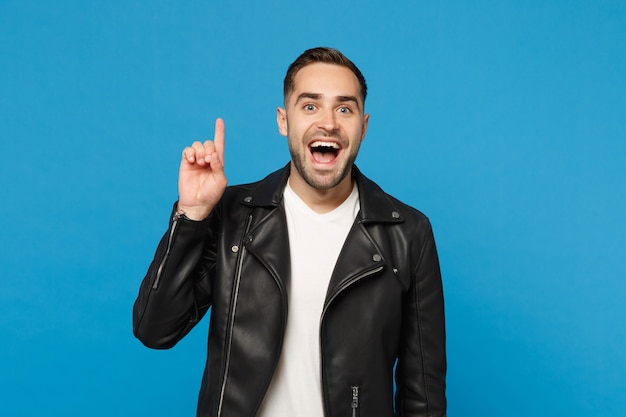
(176, 291)
(421, 368)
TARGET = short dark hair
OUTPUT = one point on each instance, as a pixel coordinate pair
(325, 55)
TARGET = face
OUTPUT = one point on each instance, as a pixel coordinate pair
(324, 122)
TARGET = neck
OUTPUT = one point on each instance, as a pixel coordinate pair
(321, 201)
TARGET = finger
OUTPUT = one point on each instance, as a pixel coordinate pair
(217, 165)
(189, 155)
(209, 151)
(199, 151)
(218, 138)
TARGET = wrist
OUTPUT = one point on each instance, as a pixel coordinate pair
(192, 212)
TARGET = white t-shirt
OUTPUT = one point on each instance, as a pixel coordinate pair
(315, 241)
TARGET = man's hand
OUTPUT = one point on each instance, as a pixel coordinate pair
(201, 179)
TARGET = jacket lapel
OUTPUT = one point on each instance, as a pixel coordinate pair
(358, 258)
(267, 238)
(360, 255)
(268, 242)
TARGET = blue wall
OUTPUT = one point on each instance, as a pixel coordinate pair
(504, 121)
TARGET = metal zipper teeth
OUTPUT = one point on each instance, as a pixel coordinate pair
(231, 318)
(167, 253)
(330, 301)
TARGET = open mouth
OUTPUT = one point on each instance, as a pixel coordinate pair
(324, 151)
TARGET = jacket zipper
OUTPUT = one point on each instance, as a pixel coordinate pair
(346, 285)
(339, 291)
(167, 253)
(355, 400)
(231, 318)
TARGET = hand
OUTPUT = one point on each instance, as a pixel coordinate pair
(201, 179)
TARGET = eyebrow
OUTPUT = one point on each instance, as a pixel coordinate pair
(340, 99)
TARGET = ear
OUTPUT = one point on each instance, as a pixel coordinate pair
(281, 120)
(366, 120)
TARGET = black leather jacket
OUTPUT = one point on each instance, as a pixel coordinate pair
(384, 303)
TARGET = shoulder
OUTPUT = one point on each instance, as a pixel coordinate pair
(378, 205)
(265, 192)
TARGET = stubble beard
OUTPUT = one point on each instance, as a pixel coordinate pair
(329, 179)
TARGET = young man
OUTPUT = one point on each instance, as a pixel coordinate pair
(323, 288)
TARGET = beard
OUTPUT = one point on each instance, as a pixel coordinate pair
(326, 180)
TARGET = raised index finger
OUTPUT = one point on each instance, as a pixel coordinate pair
(218, 139)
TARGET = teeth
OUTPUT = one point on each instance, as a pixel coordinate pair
(320, 143)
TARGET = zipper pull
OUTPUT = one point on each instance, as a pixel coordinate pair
(355, 400)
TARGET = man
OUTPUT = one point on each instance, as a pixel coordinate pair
(323, 288)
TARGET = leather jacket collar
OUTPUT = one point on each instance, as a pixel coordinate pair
(376, 206)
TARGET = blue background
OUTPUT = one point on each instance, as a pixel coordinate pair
(504, 121)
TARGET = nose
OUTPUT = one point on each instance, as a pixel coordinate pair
(327, 120)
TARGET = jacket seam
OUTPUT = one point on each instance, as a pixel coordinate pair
(418, 304)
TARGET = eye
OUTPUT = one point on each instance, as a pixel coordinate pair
(309, 107)
(344, 110)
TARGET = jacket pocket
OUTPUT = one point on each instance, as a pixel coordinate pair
(354, 404)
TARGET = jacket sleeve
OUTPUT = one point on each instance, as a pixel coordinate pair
(176, 292)
(421, 368)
